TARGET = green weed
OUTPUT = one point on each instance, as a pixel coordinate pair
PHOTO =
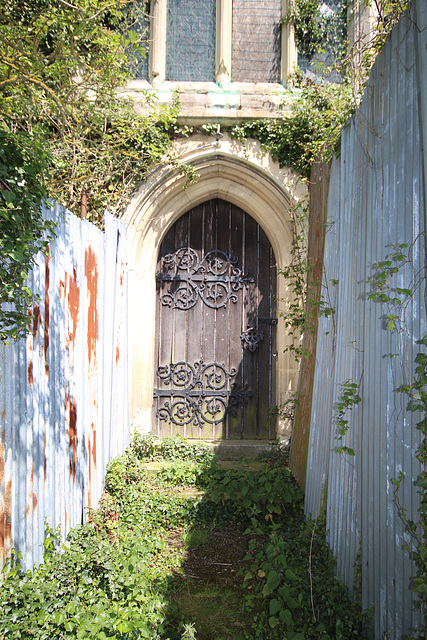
(130, 571)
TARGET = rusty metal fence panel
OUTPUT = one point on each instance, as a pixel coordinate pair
(375, 201)
(63, 390)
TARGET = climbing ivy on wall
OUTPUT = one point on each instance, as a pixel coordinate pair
(65, 131)
(311, 130)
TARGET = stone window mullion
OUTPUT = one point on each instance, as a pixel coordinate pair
(289, 53)
(158, 42)
(224, 22)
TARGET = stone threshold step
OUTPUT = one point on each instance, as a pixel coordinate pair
(237, 449)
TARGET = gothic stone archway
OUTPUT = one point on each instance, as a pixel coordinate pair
(243, 176)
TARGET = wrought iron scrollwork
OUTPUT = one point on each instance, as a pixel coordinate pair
(198, 393)
(251, 339)
(215, 278)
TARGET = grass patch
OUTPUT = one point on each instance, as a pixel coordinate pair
(195, 536)
(216, 613)
(196, 551)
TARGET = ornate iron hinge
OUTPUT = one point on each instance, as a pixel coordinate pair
(215, 278)
(199, 393)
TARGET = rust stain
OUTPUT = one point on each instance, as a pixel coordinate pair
(117, 354)
(33, 497)
(5, 515)
(94, 445)
(122, 273)
(73, 304)
(61, 289)
(72, 434)
(91, 271)
(34, 501)
(46, 310)
(36, 320)
(30, 373)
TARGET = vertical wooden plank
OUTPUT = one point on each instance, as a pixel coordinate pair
(194, 314)
(251, 304)
(208, 314)
(272, 340)
(221, 314)
(264, 350)
(319, 189)
(180, 316)
(235, 323)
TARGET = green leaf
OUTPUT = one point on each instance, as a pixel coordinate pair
(290, 574)
(286, 617)
(273, 579)
(8, 196)
(273, 622)
(275, 606)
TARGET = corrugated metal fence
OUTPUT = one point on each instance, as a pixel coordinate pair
(375, 201)
(63, 390)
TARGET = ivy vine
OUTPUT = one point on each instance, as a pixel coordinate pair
(311, 131)
(395, 300)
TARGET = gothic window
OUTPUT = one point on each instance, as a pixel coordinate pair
(190, 40)
(140, 58)
(256, 41)
(220, 41)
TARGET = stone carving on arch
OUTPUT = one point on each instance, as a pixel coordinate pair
(243, 175)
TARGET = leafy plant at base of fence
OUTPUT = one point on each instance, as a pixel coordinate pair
(291, 589)
(115, 577)
(92, 589)
(259, 498)
(348, 400)
(122, 471)
(23, 231)
(148, 447)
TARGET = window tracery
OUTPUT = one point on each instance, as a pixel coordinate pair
(190, 40)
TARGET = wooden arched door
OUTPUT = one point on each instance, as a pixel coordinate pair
(215, 327)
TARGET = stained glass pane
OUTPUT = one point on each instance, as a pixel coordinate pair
(256, 42)
(138, 55)
(190, 50)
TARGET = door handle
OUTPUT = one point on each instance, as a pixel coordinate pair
(251, 338)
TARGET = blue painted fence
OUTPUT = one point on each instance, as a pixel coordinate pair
(63, 390)
(376, 201)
